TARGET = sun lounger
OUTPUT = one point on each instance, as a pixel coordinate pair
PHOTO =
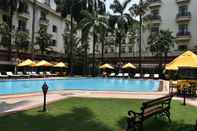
(112, 75)
(137, 75)
(126, 75)
(156, 76)
(34, 74)
(120, 75)
(3, 76)
(22, 74)
(146, 75)
(10, 74)
(49, 74)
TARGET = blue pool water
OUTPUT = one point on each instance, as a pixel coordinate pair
(96, 84)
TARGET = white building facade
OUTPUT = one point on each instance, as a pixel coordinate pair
(45, 15)
(180, 17)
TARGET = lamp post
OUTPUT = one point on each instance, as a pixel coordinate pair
(44, 90)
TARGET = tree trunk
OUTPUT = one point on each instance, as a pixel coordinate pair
(165, 58)
(94, 44)
(140, 45)
(33, 30)
(102, 50)
(10, 35)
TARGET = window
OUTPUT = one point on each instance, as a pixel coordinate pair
(54, 42)
(183, 10)
(123, 50)
(106, 51)
(54, 28)
(21, 25)
(155, 29)
(130, 49)
(5, 18)
(43, 15)
(182, 47)
(112, 50)
(183, 28)
(155, 12)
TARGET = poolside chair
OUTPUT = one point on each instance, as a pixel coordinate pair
(146, 76)
(137, 75)
(3, 76)
(112, 75)
(23, 75)
(50, 75)
(34, 74)
(156, 76)
(126, 74)
(11, 75)
(120, 75)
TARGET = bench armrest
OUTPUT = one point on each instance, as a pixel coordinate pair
(135, 114)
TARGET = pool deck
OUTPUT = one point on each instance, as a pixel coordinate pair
(15, 103)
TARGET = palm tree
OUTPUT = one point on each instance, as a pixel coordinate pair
(121, 20)
(139, 10)
(92, 23)
(43, 39)
(160, 44)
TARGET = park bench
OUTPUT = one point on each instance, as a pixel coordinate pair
(159, 106)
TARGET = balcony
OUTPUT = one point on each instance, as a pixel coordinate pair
(183, 17)
(44, 21)
(22, 29)
(24, 15)
(155, 19)
(154, 3)
(183, 36)
(182, 1)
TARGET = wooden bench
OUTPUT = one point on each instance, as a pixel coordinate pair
(160, 106)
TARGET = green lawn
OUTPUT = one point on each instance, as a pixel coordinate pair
(81, 114)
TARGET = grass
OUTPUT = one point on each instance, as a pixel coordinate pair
(83, 114)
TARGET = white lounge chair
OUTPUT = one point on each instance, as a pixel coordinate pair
(146, 75)
(22, 74)
(34, 74)
(3, 76)
(126, 74)
(156, 76)
(10, 74)
(50, 74)
(137, 75)
(112, 75)
(120, 75)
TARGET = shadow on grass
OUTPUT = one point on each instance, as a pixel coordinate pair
(160, 124)
(79, 119)
(4, 106)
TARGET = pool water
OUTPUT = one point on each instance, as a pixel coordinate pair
(94, 84)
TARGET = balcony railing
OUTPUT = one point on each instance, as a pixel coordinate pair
(24, 15)
(155, 19)
(183, 36)
(22, 29)
(186, 16)
(182, 1)
(154, 3)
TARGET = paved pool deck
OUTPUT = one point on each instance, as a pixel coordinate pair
(14, 103)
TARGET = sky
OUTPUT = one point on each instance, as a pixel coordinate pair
(108, 2)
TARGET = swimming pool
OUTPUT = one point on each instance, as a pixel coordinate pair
(94, 84)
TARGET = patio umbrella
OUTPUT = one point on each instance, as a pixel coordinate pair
(61, 65)
(26, 63)
(128, 66)
(106, 66)
(43, 63)
(186, 60)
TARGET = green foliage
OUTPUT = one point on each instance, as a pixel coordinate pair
(5, 34)
(160, 43)
(22, 40)
(44, 39)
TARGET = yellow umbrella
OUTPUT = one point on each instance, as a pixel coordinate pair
(128, 65)
(106, 66)
(61, 65)
(43, 63)
(187, 59)
(27, 62)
